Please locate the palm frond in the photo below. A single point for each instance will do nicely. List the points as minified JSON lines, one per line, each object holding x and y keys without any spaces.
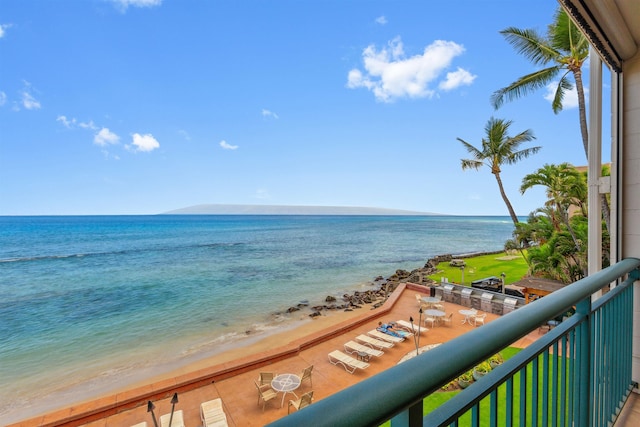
{"x":471,"y":164}
{"x":525,"y":85}
{"x":563,"y":86}
{"x":531,"y":45}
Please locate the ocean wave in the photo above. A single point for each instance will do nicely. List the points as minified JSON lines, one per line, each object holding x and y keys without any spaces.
{"x":120,"y":252}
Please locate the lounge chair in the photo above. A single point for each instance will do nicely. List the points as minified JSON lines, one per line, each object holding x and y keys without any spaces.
{"x":212,"y":414}
{"x":142,"y":424}
{"x":305,"y":400}
{"x":384,"y":337}
{"x":176,"y":421}
{"x":373,"y":343}
{"x":265,"y":393}
{"x":306,"y":374}
{"x":410,"y":328}
{"x":350,"y":364}
{"x":353,"y":347}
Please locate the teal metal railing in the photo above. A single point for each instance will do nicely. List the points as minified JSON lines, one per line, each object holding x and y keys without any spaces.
{"x":578,"y":374}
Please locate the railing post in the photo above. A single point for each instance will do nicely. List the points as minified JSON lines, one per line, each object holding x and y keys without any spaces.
{"x":583,"y":374}
{"x":412,"y":417}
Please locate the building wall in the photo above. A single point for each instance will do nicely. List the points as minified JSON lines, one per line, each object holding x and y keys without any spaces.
{"x":630,"y":206}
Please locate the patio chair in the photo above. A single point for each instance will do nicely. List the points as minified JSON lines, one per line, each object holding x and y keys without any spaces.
{"x":373,"y":343}
{"x":431,"y":320}
{"x":354,"y":347}
{"x":448,"y":319}
{"x":306,"y":374}
{"x":384,"y":337}
{"x":349,"y":364}
{"x":408,"y":327}
{"x":305,"y":400}
{"x":212,"y":414}
{"x":266,"y":377}
{"x":419,"y":300}
{"x":479,"y":319}
{"x":265,"y":393}
{"x":176,"y":421}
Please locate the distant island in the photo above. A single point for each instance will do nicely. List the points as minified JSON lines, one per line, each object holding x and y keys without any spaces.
{"x":219,"y":209}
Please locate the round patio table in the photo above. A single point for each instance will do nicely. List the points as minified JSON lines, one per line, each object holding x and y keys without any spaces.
{"x":430,"y":300}
{"x":286,"y":383}
{"x":468,"y":314}
{"x":435,"y":313}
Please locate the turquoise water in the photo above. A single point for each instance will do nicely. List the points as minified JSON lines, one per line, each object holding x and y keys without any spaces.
{"x":92,"y":303}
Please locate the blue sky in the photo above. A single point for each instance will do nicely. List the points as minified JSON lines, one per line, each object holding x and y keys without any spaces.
{"x":144,"y":106}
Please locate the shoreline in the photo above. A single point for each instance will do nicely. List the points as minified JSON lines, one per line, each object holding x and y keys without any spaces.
{"x":297,"y":326}
{"x":299,"y":322}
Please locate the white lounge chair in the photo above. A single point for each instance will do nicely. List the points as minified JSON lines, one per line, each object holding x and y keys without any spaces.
{"x":212,"y":414}
{"x":408,"y":327}
{"x":384,"y":337}
{"x":373,"y":343}
{"x":350,"y":364}
{"x":176,"y":421}
{"x":353,"y":347}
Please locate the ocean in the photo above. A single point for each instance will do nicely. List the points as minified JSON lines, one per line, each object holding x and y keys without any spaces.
{"x":89,"y":304}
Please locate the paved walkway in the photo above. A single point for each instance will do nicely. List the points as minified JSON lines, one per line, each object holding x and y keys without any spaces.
{"x":239,"y":394}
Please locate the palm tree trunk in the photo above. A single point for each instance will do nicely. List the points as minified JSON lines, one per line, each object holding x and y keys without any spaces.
{"x":512,"y":213}
{"x":577,"y":74}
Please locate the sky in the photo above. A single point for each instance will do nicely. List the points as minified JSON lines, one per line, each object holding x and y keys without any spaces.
{"x":117,"y":107}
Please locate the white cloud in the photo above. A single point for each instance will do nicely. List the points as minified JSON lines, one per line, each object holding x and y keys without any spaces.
{"x":87,"y":125}
{"x":124,"y":4}
{"x":3,"y":98}
{"x":29,"y":102}
{"x":262,"y":194}
{"x":184,"y":134}
{"x":267,"y":113}
{"x":144,"y":142}
{"x":105,"y":137}
{"x":66,"y":122}
{"x":382,"y":20}
{"x":570,"y":99}
{"x":226,"y":146}
{"x":72,"y":123}
{"x":389,"y":74}
{"x":3,"y":28}
{"x":456,"y":79}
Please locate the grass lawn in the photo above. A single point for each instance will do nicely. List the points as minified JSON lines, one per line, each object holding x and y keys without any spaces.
{"x":514,"y":268}
{"x":436,"y":399}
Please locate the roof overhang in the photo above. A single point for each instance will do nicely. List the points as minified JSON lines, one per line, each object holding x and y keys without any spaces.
{"x":612,"y":27}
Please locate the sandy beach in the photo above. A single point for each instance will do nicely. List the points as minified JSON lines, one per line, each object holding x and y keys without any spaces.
{"x":229,"y":375}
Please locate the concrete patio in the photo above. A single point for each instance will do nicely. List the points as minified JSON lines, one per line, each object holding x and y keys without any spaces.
{"x":239,"y":394}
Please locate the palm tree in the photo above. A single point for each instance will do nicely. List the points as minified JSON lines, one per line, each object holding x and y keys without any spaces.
{"x":566,"y":49}
{"x":497,"y":149}
{"x":565,"y":187}
{"x":562,"y":51}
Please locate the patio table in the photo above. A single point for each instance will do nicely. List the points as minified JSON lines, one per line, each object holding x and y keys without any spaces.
{"x":468,"y":315}
{"x":286,"y":383}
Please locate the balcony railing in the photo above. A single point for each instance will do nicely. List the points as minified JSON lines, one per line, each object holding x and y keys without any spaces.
{"x":578,"y":374}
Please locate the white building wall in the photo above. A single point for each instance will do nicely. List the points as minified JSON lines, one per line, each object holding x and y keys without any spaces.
{"x":630,"y":206}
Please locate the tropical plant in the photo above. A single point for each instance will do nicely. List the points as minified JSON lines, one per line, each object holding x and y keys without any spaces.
{"x":496,"y":358}
{"x":565,"y":187}
{"x":498,"y":148}
{"x":562,"y":52}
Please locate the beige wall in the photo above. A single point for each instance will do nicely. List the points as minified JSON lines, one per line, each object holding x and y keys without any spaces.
{"x":630,"y":208}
